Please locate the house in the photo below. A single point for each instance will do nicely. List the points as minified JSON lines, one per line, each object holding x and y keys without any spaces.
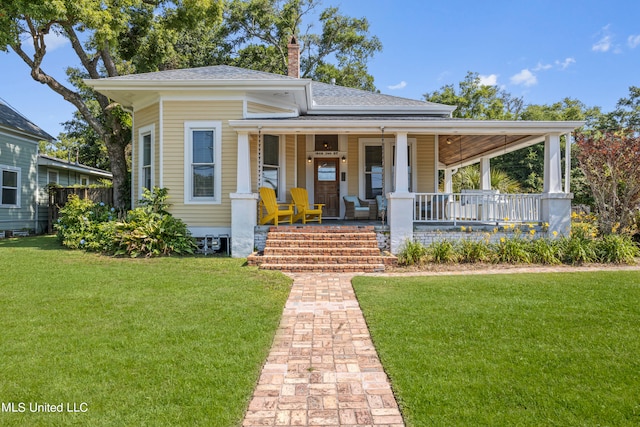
{"x":63,"y":173}
{"x":19,"y":139}
{"x":214,"y":135}
{"x":25,"y":173}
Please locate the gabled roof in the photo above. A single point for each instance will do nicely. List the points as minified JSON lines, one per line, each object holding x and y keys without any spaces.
{"x":44,"y":160}
{"x":11,"y":119}
{"x":311,"y":97}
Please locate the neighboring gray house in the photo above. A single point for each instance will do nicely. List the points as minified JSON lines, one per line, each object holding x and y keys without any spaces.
{"x":24,"y":174}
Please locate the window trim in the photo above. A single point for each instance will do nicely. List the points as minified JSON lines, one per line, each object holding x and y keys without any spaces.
{"x":18,"y":172}
{"x":142,"y":132}
{"x":216,"y":127}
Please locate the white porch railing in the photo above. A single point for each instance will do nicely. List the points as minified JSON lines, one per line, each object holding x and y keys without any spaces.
{"x":481,"y":206}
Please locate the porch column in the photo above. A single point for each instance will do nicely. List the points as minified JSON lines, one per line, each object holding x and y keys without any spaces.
{"x":402,"y":170}
{"x":448,"y":180}
{"x":243,"y":203}
{"x":400,"y":204}
{"x":555,"y":204}
{"x":485,"y":173}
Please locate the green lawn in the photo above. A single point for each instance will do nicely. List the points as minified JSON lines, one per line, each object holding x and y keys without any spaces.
{"x":513,"y":349}
{"x":166,"y":341}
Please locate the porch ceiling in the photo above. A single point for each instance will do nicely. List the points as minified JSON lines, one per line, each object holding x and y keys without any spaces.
{"x":461,"y":150}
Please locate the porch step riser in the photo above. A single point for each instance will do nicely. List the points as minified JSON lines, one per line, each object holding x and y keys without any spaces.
{"x":319,"y":259}
{"x":283,"y":243}
{"x":339,"y":251}
{"x":321,"y":236}
{"x":324,"y":268}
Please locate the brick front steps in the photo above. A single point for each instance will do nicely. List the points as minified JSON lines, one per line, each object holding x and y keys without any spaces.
{"x":320,"y":248}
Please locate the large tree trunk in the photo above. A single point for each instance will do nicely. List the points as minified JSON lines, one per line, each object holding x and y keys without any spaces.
{"x":118,"y":162}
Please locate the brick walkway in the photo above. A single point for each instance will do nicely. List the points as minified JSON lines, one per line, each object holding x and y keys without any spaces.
{"x":323,"y":369}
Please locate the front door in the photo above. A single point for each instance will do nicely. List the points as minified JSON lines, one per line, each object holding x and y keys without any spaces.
{"x":327,"y":186}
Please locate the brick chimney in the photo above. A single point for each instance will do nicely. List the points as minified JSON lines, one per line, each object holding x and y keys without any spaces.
{"x":293,"y":63}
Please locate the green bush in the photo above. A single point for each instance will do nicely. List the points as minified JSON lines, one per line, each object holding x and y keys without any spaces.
{"x":442,"y":251}
{"x":148,"y":230}
{"x":412,"y":252}
{"x":616,"y":248}
{"x":512,"y":251}
{"x":472,"y":251}
{"x":545,"y":251}
{"x":578,"y":249}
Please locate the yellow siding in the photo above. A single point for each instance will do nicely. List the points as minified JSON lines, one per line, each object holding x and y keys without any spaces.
{"x":145,"y":117}
{"x":425,"y":166}
{"x":290,"y":152}
{"x":255,"y":108}
{"x":175,"y":114}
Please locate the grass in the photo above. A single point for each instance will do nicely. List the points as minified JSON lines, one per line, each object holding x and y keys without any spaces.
{"x":166,"y":341}
{"x":504,"y":350}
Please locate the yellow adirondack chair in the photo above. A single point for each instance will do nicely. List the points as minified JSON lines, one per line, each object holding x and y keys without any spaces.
{"x":270,"y":210}
{"x":304,"y":210}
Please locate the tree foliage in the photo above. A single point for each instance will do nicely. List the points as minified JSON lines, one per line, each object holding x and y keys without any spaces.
{"x":477,"y":101}
{"x":94,"y":29}
{"x":609,"y":161}
{"x":469,"y":177}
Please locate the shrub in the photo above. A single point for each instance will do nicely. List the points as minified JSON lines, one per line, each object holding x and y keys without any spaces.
{"x":513,"y":250}
{"x":616,"y":248}
{"x":442,"y":251}
{"x":545,"y":251}
{"x":472,"y":251}
{"x":148,"y":230}
{"x":577,"y":249}
{"x":412,"y":252}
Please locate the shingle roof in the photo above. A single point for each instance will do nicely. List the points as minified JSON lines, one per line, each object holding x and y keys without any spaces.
{"x":10,"y":118}
{"x":324,"y":95}
{"x":333,"y":95}
{"x":214,"y":72}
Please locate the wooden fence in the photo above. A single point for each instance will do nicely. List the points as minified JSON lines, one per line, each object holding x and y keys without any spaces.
{"x":59,"y":196}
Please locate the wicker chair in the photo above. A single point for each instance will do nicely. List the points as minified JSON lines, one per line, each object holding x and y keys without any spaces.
{"x":356,"y":208}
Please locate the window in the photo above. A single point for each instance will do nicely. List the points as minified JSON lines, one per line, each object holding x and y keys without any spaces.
{"x":271,"y":162}
{"x":9,"y":186}
{"x":373,"y":171}
{"x":84,"y":180}
{"x":145,"y":153}
{"x":202,"y":162}
{"x":52,"y":177}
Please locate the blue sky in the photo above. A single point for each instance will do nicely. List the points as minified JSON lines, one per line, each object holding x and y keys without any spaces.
{"x":540,"y":50}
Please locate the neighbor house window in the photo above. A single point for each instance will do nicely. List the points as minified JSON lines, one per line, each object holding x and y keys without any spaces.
{"x":52,"y":177}
{"x":271,"y":163}
{"x":372,"y":171}
{"x":146,"y":138}
{"x":84,"y":180}
{"x":202,"y":162}
{"x":9,"y":186}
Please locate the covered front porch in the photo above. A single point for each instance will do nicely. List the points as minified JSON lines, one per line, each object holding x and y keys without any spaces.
{"x":400,"y":161}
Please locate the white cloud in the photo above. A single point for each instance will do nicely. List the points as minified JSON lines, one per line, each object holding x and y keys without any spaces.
{"x":54,"y":41}
{"x":524,"y":77}
{"x":490,"y":80}
{"x":603,"y":45}
{"x":400,"y":85}
{"x":564,"y":64}
{"x":633,"y":41}
{"x":542,"y":67}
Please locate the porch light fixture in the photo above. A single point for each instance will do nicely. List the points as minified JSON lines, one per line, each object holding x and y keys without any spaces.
{"x":344,"y":159}
{"x":309,"y":159}
{"x":449,"y":141}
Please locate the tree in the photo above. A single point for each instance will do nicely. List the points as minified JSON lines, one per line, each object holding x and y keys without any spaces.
{"x":94,"y":28}
{"x":477,"y":101}
{"x":609,"y":161}
{"x":469,"y":177}
{"x":257,"y":33}
{"x":625,"y":116}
